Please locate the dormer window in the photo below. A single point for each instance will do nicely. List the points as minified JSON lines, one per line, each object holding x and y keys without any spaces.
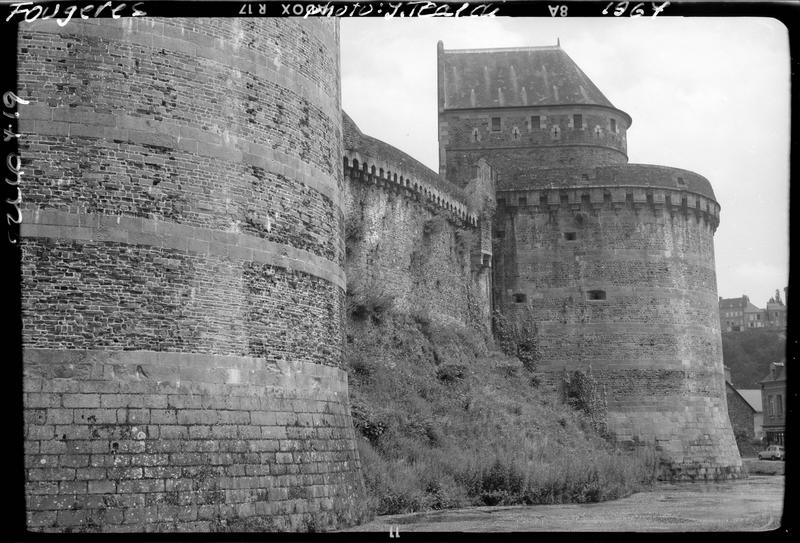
{"x":496,"y":124}
{"x":577,"y":122}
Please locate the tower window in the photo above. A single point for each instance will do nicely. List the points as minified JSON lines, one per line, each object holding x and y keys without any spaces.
{"x":570,"y":236}
{"x":535,"y":122}
{"x":596,"y":295}
{"x":520,"y":298}
{"x":577,"y":122}
{"x":614,"y":125}
{"x":495,"y":124}
{"x":598,"y":131}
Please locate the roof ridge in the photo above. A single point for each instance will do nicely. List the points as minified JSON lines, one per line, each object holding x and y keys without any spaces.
{"x":506,"y":49}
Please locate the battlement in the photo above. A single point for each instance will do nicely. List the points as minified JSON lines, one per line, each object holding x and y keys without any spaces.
{"x":370,"y":160}
{"x":658,"y":188}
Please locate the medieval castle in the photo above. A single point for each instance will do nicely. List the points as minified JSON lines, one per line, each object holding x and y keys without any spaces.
{"x":197,"y":204}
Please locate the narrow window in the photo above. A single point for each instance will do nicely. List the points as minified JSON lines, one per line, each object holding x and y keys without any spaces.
{"x":598,"y":131}
{"x":779,"y":404}
{"x":596,"y":295}
{"x":523,"y":201}
{"x":495,"y":124}
{"x":475,"y":135}
{"x":515,"y":133}
{"x":614,"y":125}
{"x":535,"y":122}
{"x":520,"y":298}
{"x":555,"y":132}
{"x":577,"y":122}
{"x":570,"y":236}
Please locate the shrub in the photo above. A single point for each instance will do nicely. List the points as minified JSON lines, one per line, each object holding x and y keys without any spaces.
{"x":584,"y":394}
{"x":433,"y":227}
{"x":450,"y":373}
{"x":353,"y":228}
{"x":516,"y":338}
{"x":464,"y":240}
{"x":367,"y":298}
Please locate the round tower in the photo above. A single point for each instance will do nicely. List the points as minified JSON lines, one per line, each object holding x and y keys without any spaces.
{"x":182,"y":252}
{"x":610,"y":264}
{"x":614,"y":270}
{"x":526,"y":108}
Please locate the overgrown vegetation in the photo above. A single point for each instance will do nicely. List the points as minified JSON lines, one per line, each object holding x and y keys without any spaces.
{"x":749,"y":353}
{"x":367,"y":298}
{"x":516,"y":338}
{"x":584,"y":394}
{"x":445,"y":422}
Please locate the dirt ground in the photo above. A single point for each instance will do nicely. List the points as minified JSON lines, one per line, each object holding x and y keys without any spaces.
{"x":753,"y":504}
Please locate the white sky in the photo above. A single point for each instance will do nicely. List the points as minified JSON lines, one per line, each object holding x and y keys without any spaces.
{"x":707,"y":95}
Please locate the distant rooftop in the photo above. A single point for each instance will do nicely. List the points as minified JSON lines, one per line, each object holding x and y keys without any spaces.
{"x":753,"y":397}
{"x":516,"y":76}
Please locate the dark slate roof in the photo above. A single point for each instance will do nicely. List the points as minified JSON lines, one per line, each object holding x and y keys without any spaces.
{"x":528,"y":76}
{"x":780,"y":375}
{"x":355,"y":140}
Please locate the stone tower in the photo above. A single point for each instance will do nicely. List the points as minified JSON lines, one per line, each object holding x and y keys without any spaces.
{"x":612,"y":264}
{"x":182,"y":252}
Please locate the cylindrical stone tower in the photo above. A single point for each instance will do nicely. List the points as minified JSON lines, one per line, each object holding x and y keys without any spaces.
{"x":615,"y":273}
{"x":608,"y":265}
{"x":182,"y":252}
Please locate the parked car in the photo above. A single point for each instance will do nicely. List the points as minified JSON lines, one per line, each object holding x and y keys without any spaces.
{"x":773,"y":452}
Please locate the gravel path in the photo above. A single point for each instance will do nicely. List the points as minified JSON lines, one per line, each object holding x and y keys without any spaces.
{"x":752,"y":504}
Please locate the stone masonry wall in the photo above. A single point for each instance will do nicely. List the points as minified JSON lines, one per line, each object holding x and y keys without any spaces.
{"x":519,"y":146}
{"x":627,"y":287}
{"x":183,"y":282}
{"x":411,"y":252}
{"x":741,"y":415}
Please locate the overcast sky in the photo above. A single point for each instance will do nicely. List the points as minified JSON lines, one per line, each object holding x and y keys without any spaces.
{"x":707,"y":95}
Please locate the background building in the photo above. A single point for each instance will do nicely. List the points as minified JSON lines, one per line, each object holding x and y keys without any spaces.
{"x":773,"y":397}
{"x":737,"y":314}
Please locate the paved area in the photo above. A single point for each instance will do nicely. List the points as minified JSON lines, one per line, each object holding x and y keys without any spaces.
{"x":753,"y":504}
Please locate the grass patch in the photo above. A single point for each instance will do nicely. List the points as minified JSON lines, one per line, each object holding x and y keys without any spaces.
{"x":444,"y":422}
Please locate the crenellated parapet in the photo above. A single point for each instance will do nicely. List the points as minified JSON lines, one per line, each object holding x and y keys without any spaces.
{"x":372,"y":161}
{"x":659,"y":189}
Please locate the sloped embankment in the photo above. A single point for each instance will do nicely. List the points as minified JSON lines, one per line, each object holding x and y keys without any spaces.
{"x":444,"y":422}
